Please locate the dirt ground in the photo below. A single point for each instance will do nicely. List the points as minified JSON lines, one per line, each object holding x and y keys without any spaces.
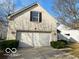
{"x":2,"y":56}
{"x":74,"y":49}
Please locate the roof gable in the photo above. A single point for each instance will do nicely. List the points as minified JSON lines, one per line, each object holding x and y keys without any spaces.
{"x":26,"y":8}
{"x":23,"y":9}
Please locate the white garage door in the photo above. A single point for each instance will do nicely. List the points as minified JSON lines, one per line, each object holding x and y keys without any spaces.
{"x":28,"y":39}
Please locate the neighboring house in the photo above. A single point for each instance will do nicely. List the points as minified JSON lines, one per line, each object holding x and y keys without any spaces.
{"x":68,"y":33}
{"x":3,"y":28}
{"x":33,"y":26}
{"x":2,"y":31}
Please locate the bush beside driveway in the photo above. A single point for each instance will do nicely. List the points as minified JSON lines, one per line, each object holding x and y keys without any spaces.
{"x":7,"y":44}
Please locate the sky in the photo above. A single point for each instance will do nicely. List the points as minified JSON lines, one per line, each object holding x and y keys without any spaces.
{"x":19,"y":4}
{"x":46,"y":4}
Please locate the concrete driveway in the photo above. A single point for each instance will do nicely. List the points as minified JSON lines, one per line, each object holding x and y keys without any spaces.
{"x":42,"y":53}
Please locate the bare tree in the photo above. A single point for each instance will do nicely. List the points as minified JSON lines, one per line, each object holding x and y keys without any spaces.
{"x":68,"y":11}
{"x":7,"y":6}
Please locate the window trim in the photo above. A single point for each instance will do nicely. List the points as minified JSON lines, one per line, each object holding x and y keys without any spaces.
{"x":39,"y":16}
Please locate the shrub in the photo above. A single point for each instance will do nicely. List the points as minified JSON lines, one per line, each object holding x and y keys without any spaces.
{"x":9,"y":44}
{"x":59,"y":44}
{"x":66,"y":42}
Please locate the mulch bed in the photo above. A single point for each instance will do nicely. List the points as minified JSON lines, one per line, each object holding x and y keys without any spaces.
{"x":2,"y":56}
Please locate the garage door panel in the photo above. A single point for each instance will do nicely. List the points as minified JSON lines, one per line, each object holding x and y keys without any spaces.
{"x":44,"y":39}
{"x":36,"y":39}
{"x":41,"y":39}
{"x":32,"y":39}
{"x":26,"y":40}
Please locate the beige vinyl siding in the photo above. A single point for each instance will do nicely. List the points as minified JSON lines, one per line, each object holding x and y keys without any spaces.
{"x":22,"y":22}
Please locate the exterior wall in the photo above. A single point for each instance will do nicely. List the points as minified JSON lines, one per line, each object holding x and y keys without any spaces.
{"x":22,"y":22}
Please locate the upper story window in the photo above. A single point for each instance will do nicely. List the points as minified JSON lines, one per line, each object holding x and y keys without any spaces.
{"x":35,"y":16}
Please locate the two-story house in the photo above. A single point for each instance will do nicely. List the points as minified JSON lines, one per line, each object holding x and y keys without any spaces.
{"x":33,"y":26}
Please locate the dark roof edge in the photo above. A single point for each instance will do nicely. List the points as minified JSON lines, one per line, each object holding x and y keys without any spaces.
{"x":25,"y":8}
